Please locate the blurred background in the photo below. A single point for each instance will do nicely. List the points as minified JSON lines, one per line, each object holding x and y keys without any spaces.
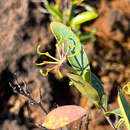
{"x":23,"y":27}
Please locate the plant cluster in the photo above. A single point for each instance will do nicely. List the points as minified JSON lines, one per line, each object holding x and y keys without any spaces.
{"x":83,"y":79}
{"x":81,"y":76}
{"x":70,"y":49}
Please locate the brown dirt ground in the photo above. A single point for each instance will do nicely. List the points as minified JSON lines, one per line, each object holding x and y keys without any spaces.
{"x":22,"y":27}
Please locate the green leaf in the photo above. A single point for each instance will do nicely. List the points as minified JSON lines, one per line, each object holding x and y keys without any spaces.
{"x":116,"y":112}
{"x":125,"y":107}
{"x":76,"y":55}
{"x":83,"y":17}
{"x":85,"y":88}
{"x":87,"y":35}
{"x":96,"y":83}
{"x":55,"y":12}
{"x":89,"y":8}
{"x":89,"y":40}
{"x":78,"y":27}
{"x":120,"y":123}
{"x":77,"y":2}
{"x":127,"y":89}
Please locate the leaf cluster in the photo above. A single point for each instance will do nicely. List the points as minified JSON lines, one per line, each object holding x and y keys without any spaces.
{"x":87,"y":82}
{"x":72,"y":13}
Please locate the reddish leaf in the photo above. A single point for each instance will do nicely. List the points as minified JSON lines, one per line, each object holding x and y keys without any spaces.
{"x":62,"y":116}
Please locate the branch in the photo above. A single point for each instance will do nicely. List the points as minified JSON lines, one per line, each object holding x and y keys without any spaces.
{"x":26,"y":93}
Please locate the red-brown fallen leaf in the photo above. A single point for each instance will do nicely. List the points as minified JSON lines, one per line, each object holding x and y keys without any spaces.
{"x":62,"y":116}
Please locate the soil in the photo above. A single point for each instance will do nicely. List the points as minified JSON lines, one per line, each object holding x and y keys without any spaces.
{"x":23,"y":27}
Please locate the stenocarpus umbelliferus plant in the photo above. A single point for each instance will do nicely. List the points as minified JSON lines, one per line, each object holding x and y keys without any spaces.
{"x":70,"y":49}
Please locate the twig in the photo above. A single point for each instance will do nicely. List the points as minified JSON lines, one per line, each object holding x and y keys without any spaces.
{"x":80,"y":126}
{"x":87,"y":122}
{"x":110,"y":122}
{"x":26,"y":93}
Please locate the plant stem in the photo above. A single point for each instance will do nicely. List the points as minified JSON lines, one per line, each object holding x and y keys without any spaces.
{"x":108,"y":119}
{"x":26,"y":93}
{"x":110,"y":122}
